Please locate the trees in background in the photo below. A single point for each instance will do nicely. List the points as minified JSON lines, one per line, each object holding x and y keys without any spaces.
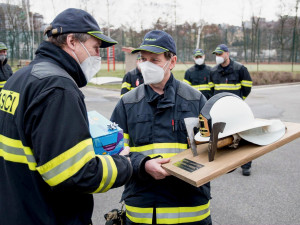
{"x":256,"y":40}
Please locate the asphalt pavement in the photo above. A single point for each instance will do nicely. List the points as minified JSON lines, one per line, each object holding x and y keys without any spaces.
{"x":271,"y":195}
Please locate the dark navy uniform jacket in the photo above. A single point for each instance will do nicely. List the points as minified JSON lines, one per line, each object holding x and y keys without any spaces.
{"x":198,"y":77}
{"x":131,"y":80}
{"x":235,"y":79}
{"x":47,"y":162}
{"x":154,"y":125}
{"x":5,"y":73}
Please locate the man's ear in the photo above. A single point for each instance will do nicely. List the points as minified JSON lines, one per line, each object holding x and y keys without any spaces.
{"x":173,"y":62}
{"x":70,"y":41}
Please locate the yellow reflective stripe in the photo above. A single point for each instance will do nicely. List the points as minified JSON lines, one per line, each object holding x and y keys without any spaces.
{"x":13,"y":150}
{"x":163,"y":49}
{"x":168,"y":215}
{"x":164,"y":155}
{"x":186,"y":81}
{"x":68,"y":163}
{"x":177,"y":215}
{"x":228,"y":86}
{"x":202,"y":87}
{"x":109,"y":175}
{"x":126,"y":139}
{"x":246,"y":83}
{"x":244,"y":97}
{"x":160,"y":148}
{"x":211,"y":84}
{"x":126,"y":85}
{"x":2,"y":84}
{"x":139,"y":215}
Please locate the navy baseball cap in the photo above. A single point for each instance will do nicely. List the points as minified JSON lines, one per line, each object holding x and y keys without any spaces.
{"x":197,"y":52}
{"x":220,"y":49}
{"x":2,"y":46}
{"x":157,"y":41}
{"x":78,"y":21}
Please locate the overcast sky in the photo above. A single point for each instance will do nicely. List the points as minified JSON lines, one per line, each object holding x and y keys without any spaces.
{"x":142,"y":13}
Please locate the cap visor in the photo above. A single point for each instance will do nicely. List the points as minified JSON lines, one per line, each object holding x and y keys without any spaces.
{"x":265,"y":135}
{"x":150,"y":48}
{"x":217,"y":52}
{"x":106,"y":41}
{"x":227,"y":132}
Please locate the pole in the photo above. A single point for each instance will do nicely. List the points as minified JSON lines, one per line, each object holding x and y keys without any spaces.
{"x":107,"y":51}
{"x":114,"y":62}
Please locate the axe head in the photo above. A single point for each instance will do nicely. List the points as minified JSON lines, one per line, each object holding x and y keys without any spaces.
{"x":190,"y":124}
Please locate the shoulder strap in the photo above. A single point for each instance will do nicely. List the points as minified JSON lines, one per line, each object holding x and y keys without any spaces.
{"x":43,"y":70}
{"x":237,"y":65}
{"x":134,"y":95}
{"x":187,"y":92}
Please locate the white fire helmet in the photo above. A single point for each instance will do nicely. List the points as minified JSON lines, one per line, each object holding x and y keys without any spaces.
{"x":239,"y":119}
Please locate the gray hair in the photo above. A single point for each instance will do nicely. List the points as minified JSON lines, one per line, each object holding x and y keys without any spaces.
{"x":61,"y":40}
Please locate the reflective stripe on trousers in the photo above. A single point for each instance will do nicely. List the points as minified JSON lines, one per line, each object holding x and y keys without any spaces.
{"x":168,"y":215}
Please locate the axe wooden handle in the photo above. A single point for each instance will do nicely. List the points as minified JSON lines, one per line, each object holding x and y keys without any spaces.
{"x":221,"y":142}
{"x":225,"y":141}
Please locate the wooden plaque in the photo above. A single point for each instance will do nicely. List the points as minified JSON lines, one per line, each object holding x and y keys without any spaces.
{"x":198,"y":170}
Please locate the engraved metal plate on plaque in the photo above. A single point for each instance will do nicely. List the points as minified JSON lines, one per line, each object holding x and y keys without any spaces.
{"x":188,"y":165}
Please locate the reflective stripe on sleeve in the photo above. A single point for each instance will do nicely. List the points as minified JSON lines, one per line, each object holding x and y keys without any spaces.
{"x":228,"y":86}
{"x":13,"y":150}
{"x":164,"y":149}
{"x":211,"y":84}
{"x":202,"y":87}
{"x":126,"y":85}
{"x":246,"y":83}
{"x":68,"y":163}
{"x":109,"y":175}
{"x":126,"y":139}
{"x":2,"y":84}
{"x":186,"y":81}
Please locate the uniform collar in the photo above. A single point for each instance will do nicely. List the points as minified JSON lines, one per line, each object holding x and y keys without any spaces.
{"x":200,"y":67}
{"x":52,"y":53}
{"x":165,"y":100}
{"x":227,"y":68}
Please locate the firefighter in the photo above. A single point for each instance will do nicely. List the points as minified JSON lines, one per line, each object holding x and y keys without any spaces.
{"x":230,"y":76}
{"x":133,"y":78}
{"x":152,"y":118}
{"x":198,"y":75}
{"x":5,"y":69}
{"x":48,"y":168}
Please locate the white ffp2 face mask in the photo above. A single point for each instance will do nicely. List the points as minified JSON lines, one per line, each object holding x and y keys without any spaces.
{"x":152,"y":74}
{"x":90,"y":66}
{"x":219,"y":60}
{"x":2,"y":58}
{"x":199,"y":61}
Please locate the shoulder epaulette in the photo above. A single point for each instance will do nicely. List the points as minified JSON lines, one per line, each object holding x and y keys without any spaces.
{"x":134,"y":95}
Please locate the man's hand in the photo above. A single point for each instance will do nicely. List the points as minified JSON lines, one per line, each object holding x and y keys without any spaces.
{"x":125,"y":151}
{"x":153,"y":167}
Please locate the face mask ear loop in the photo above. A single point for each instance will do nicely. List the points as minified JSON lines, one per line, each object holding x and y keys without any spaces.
{"x":166,"y":64}
{"x":76,"y":57}
{"x":85,"y":49}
